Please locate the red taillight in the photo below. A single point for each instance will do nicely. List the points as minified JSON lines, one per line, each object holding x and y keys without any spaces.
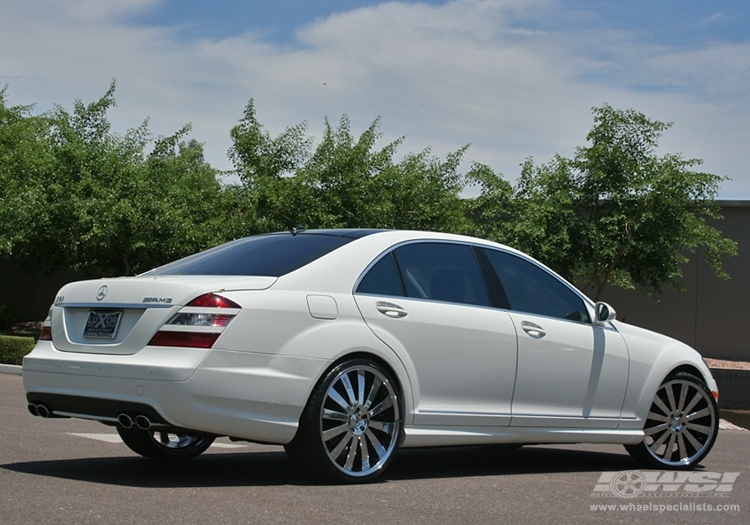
{"x":200,"y":320}
{"x":212,"y":300}
{"x":184,"y":339}
{"x":46,"y":334}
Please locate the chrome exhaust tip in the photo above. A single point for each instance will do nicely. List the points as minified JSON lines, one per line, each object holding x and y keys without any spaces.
{"x":125,"y":420}
{"x":143,"y":422}
{"x":32,"y":409}
{"x":42,"y":411}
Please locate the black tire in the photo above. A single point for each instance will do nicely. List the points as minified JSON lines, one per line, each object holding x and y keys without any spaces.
{"x":164,"y":446}
{"x":681,"y":426}
{"x":351,"y":425}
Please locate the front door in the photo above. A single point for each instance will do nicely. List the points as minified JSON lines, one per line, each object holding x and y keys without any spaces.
{"x":571,"y":373}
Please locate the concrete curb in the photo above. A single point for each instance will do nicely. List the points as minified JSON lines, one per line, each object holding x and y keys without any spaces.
{"x":734,"y":387}
{"x":10,"y":369}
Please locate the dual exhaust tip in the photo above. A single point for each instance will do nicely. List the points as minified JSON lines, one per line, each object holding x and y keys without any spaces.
{"x":39,"y":409}
{"x":140,"y":421}
{"x":125,"y":421}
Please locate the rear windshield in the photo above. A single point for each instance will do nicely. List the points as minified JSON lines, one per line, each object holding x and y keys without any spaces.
{"x":272,"y":255}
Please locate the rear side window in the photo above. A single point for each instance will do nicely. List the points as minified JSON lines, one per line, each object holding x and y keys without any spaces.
{"x":269,"y":255}
{"x":429,"y":270}
{"x":531,"y":289}
{"x":382,"y":279}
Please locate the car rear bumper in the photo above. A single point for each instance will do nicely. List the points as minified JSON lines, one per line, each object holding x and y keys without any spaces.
{"x":258,"y":397}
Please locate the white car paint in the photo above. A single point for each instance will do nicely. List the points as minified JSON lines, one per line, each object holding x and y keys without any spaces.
{"x":466,"y":374}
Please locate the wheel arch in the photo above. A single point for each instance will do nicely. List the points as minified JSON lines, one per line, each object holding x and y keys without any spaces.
{"x":318,"y":445}
{"x":688,"y":368}
{"x":363,"y":354}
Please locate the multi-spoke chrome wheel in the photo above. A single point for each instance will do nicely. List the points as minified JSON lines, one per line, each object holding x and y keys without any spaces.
{"x":359,"y":420}
{"x":168,"y":446}
{"x":681,"y":426}
{"x":352,"y":423}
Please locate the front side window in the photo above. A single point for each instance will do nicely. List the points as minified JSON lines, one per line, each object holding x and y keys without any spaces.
{"x":532,"y":289}
{"x":428,"y":270}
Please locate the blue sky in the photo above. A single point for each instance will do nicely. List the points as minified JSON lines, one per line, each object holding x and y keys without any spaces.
{"x":671,"y":22}
{"x":514,"y":78}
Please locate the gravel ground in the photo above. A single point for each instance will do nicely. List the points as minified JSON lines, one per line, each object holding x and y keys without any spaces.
{"x":723,"y":363}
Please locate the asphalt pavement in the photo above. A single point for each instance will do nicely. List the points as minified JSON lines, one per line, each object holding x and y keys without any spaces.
{"x":78,"y":472}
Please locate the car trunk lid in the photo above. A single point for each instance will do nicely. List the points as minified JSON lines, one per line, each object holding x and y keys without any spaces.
{"x":120,"y":316}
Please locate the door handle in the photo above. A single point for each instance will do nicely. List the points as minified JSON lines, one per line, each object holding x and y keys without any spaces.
{"x":391,"y":310}
{"x":534,"y":330}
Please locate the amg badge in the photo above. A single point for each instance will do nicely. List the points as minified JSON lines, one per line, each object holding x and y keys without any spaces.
{"x":158,"y":300}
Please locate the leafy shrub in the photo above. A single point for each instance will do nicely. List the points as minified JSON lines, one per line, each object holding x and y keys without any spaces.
{"x":12,"y":349}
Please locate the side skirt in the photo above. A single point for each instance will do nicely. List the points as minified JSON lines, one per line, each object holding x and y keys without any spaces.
{"x":447,"y":436}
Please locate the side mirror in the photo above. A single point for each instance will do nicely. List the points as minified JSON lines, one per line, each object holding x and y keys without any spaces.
{"x":604,"y":313}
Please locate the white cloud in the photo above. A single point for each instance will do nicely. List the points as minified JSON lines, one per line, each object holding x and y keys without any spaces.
{"x":468,"y":71}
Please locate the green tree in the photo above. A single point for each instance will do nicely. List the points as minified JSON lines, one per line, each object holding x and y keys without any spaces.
{"x":617,"y":213}
{"x":345,"y":182}
{"x":86,"y":198}
{"x":25,"y":151}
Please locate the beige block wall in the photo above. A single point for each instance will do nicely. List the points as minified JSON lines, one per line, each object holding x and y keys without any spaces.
{"x":711,"y":315}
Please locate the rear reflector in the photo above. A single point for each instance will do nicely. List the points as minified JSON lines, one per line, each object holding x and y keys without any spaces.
{"x":184,"y":339}
{"x":46,"y":334}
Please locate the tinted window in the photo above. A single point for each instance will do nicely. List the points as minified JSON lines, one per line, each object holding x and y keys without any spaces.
{"x":271,"y":255}
{"x":382,"y":279}
{"x":531,"y":289}
{"x":441,"y":272}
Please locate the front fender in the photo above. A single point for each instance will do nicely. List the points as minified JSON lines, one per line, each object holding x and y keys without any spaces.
{"x":653,"y":357}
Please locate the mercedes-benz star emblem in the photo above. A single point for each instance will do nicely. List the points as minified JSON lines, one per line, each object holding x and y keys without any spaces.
{"x":101,"y":293}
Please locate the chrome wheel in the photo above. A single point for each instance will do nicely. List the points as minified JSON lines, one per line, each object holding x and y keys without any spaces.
{"x":351,"y":424}
{"x":167,"y":446}
{"x":360,"y":420}
{"x":681,"y":426}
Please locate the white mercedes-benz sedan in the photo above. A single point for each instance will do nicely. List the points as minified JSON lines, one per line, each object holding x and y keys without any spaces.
{"x":343,"y":345}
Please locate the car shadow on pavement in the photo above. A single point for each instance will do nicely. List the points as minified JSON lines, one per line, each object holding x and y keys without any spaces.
{"x":274,"y":468}
{"x":499,"y":461}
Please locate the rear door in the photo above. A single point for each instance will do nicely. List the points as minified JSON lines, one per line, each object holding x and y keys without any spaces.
{"x":429,"y":302}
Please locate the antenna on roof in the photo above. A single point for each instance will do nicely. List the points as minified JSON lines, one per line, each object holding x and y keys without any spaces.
{"x":294,"y":229}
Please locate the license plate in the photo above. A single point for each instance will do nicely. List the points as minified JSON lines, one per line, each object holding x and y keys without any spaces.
{"x":102,"y":324}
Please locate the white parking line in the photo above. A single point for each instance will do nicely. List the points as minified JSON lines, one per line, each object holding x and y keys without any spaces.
{"x":115,"y":438}
{"x":726,"y":425}
{"x":109,"y":438}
